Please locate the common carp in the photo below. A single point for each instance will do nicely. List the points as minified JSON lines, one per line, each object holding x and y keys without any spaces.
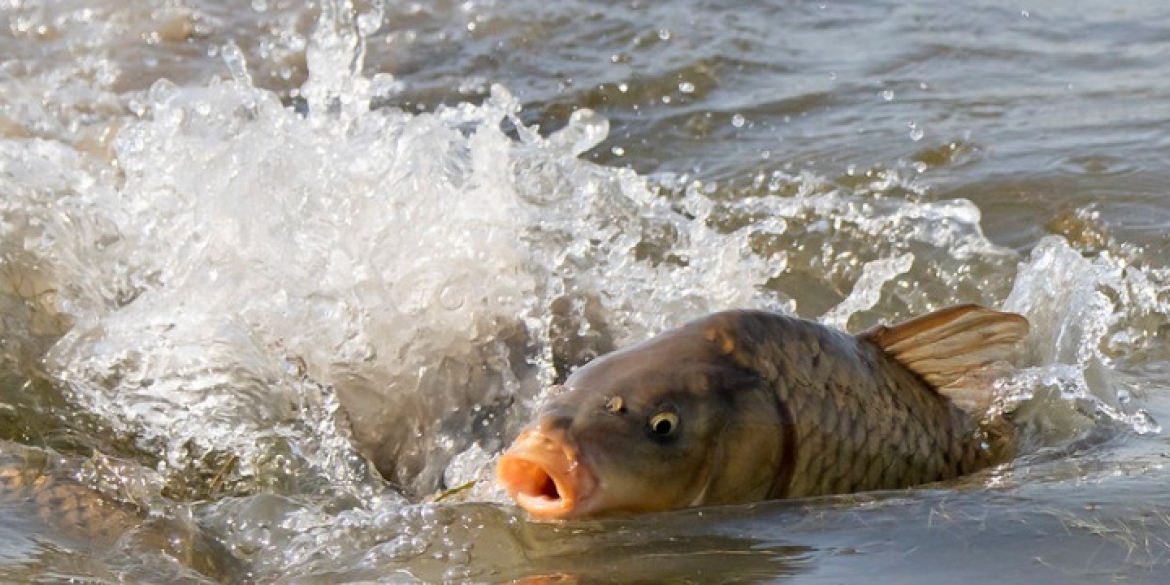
{"x":743,"y":406}
{"x":40,"y":486}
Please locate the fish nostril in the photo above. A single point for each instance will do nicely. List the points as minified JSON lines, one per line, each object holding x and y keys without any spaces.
{"x":615,"y":405}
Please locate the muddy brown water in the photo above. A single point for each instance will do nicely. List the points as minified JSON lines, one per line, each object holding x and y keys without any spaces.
{"x":230,"y":230}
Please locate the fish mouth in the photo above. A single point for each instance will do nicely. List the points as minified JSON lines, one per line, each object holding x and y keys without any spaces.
{"x":543,"y":474}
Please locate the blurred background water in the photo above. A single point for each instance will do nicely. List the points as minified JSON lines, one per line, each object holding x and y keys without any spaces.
{"x":255,"y":258}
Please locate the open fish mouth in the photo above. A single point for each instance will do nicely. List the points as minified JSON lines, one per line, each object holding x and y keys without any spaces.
{"x":544,"y":476}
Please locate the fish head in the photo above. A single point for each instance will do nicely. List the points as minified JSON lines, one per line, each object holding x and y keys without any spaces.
{"x":657,"y":426}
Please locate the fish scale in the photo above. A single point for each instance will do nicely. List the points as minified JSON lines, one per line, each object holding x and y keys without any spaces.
{"x":40,"y":484}
{"x":29,"y":477}
{"x":747,"y":405}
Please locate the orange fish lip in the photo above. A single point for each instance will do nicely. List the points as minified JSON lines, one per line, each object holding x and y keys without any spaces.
{"x":544,"y":475}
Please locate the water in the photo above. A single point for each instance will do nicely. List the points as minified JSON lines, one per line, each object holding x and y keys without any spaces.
{"x":253,"y":254}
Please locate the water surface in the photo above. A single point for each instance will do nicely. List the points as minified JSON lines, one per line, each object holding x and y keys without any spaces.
{"x":252,"y":254}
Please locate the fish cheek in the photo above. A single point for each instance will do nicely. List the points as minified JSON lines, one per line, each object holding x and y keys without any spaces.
{"x":640,"y":471}
{"x":749,"y":452}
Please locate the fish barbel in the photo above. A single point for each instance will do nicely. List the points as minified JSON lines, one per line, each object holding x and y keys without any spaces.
{"x":742,"y":406}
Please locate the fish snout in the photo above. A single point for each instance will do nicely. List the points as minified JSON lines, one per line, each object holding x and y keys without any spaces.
{"x":542,"y":472}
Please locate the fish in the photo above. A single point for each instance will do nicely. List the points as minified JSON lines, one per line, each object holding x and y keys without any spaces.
{"x":40,"y":490}
{"x":749,"y":405}
{"x":36,"y":483}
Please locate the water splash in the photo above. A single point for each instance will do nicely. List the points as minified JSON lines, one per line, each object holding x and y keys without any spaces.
{"x":335,"y":56}
{"x":1077,"y":306}
{"x":867,"y":290}
{"x":247,"y":280}
{"x":422,"y":265}
{"x":426,"y":274}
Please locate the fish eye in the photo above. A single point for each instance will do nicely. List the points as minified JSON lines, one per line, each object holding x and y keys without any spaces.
{"x":664,"y":424}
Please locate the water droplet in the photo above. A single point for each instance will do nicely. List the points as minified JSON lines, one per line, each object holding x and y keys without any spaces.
{"x":161,"y":93}
{"x":664,"y":34}
{"x":888,"y":95}
{"x":459,"y":557}
{"x":738,"y":121}
{"x":777,"y":181}
{"x":233,"y":57}
{"x":1144,"y":424}
{"x":451,"y":298}
{"x":585,"y":130}
{"x":916,"y":132}
{"x":686,"y":87}
{"x":384,"y":85}
{"x":369,"y":22}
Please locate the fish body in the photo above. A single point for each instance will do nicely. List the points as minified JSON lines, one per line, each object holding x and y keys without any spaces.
{"x":743,"y":406}
{"x":42,"y":486}
{"x":39,"y":483}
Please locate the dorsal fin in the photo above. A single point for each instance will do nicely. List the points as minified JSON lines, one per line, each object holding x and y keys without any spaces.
{"x":949,"y":345}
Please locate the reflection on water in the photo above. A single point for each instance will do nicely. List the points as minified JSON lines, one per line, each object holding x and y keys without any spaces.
{"x":251,"y":256}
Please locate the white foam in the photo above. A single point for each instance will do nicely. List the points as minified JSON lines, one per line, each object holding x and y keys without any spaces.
{"x":1076,"y":306}
{"x":867,"y":290}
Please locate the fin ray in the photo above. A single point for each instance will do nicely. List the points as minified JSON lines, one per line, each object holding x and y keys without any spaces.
{"x":950,"y":346}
